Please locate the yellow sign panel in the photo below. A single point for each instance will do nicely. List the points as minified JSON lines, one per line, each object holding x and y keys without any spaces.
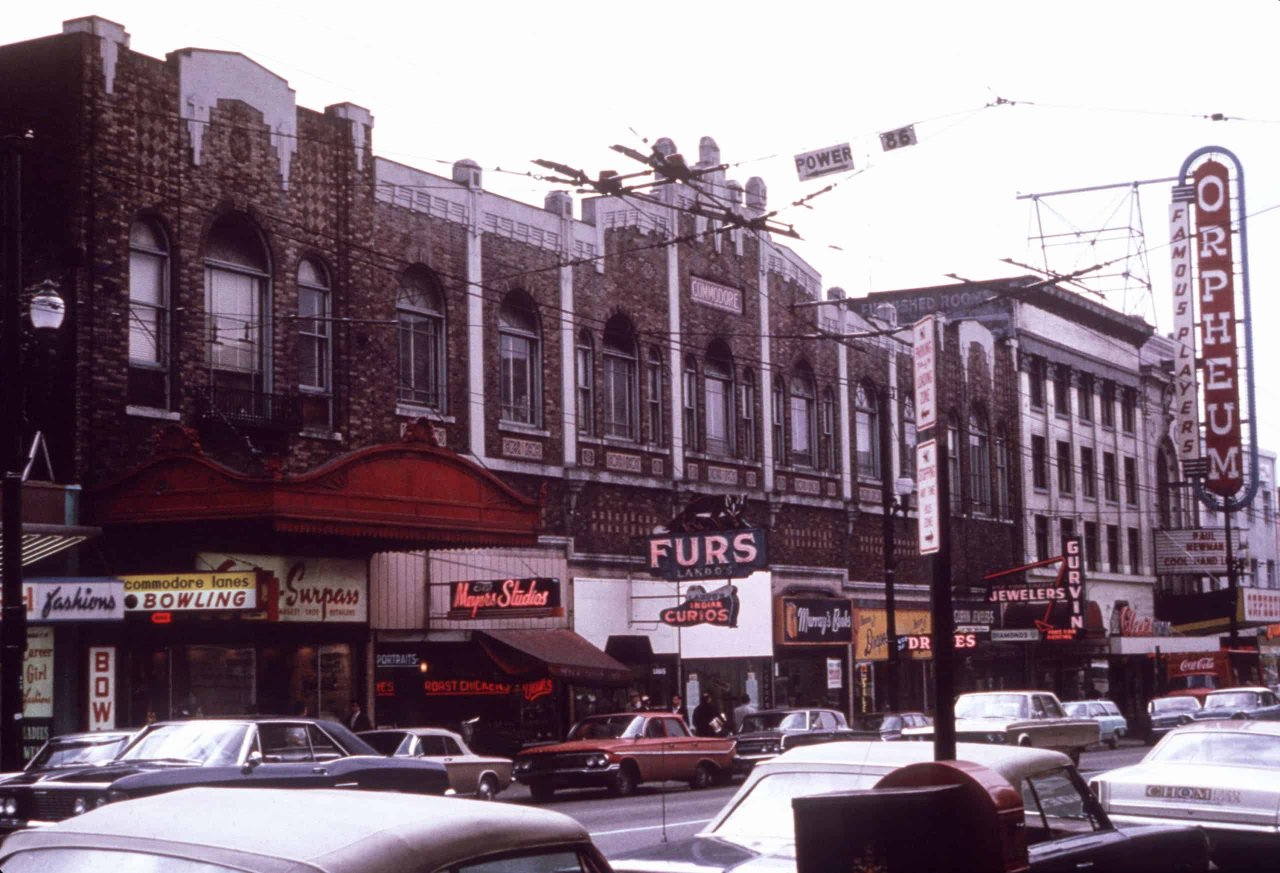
{"x":871,"y":632}
{"x":190,"y":591}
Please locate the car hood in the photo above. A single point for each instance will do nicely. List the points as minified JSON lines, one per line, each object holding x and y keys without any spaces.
{"x":575,"y":746}
{"x":708,"y":855}
{"x":1194,"y":793}
{"x":104,"y":774}
{"x":762,"y":735}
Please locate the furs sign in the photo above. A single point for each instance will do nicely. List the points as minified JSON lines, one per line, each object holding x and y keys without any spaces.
{"x":728,"y":554}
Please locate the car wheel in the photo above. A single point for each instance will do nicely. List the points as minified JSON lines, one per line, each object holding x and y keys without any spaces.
{"x":487,"y":789}
{"x":541,"y":790}
{"x":703,"y":777}
{"x":624,"y":782}
{"x":1114,"y":742}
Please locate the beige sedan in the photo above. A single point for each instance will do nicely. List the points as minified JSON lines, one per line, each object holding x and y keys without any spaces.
{"x":470,"y":774}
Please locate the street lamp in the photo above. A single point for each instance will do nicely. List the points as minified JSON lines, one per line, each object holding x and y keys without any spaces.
{"x":896,"y":499}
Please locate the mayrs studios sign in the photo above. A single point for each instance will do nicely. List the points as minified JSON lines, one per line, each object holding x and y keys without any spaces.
{"x":815,"y":621}
{"x":506,"y":598}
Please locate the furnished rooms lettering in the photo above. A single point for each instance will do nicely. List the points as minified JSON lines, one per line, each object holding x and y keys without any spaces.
{"x":510,"y":598}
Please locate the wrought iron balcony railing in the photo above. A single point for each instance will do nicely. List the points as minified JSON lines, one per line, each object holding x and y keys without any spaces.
{"x":250,"y":409}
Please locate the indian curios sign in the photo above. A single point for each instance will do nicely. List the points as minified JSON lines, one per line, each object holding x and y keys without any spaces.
{"x":719,"y":608}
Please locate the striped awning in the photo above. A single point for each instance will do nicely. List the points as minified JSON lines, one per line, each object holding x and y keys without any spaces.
{"x":39,"y":541}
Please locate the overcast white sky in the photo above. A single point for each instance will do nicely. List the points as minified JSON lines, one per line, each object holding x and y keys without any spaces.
{"x":1103,"y":92}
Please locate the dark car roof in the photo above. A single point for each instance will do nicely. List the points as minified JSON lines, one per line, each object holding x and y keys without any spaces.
{"x":324,"y":829}
{"x":338,"y":731}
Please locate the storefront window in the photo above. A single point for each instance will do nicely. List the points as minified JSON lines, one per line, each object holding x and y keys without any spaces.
{"x":213,"y":680}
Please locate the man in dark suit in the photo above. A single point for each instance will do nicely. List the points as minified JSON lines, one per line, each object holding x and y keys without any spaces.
{"x":357,"y":720}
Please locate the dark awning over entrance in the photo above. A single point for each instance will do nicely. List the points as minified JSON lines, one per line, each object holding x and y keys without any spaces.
{"x":556,"y":652}
{"x":630,"y":648}
{"x":390,"y":497}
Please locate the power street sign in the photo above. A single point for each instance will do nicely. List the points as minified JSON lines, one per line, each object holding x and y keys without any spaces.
{"x":927,"y":489}
{"x":833,"y":159}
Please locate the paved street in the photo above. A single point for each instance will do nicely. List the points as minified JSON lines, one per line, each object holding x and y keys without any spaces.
{"x":671,"y":811}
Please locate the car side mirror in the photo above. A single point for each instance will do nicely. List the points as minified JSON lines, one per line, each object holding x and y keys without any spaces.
{"x":251,"y":763}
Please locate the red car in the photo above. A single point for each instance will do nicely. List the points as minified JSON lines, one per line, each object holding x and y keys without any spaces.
{"x":622,"y":750}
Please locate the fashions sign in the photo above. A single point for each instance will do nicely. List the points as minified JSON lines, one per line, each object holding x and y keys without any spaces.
{"x":74,"y":599}
{"x":509,"y":598}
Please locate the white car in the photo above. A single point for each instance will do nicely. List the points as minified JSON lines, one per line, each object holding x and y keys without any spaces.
{"x":1223,"y":776}
{"x":471,"y":775}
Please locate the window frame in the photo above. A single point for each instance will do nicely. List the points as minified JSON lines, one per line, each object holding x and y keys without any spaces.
{"x":620,"y":358}
{"x":584,"y":383}
{"x":747,"y":410}
{"x":867,"y":430}
{"x":802,"y":403}
{"x":519,"y":340}
{"x":156,"y":367}
{"x":719,"y":425}
{"x":979,"y":464}
{"x":320,"y":338}
{"x":656,"y":400}
{"x":1039,"y":462}
{"x":1066,"y":469}
{"x":421,"y":325}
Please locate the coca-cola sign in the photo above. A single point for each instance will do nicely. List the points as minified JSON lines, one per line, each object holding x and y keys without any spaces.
{"x":1198,"y":665}
{"x":509,"y":598}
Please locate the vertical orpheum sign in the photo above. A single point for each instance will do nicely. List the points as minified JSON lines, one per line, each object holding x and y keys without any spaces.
{"x":1216,"y":289}
{"x":1186,"y":391}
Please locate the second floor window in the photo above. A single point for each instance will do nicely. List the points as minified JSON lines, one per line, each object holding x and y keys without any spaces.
{"x":420,"y":324}
{"x":1131,"y":481}
{"x":1088,"y":473}
{"x":1062,"y":390}
{"x":236,"y":303}
{"x":748,"y":411}
{"x":690,"y":386}
{"x":584,"y":376}
{"x":804,"y":433}
{"x":867,"y":431}
{"x":1084,"y":390}
{"x":1002,"y":475}
{"x":1066,"y":474}
{"x":148,"y":316}
{"x":653,"y":385}
{"x":979,"y":465}
{"x":1128,"y":410}
{"x":621,"y":380}
{"x":718,"y":388}
{"x":956,"y":499}
{"x":1110,"y":483}
{"x":313,"y":326}
{"x":520,"y":361}
{"x":1042,"y":537}
{"x":908,"y":448}
{"x":829,"y":429}
{"x":1035,"y":374}
{"x":779,"y":421}
{"x":1108,"y":404}
{"x":1039,"y":462}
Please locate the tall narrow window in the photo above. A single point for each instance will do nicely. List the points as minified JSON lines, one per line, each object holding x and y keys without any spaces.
{"x":1266,"y":507}
{"x":1091,"y":545}
{"x":1042,"y":538}
{"x":1088,"y":473}
{"x":804,"y":425}
{"x":1035,"y":380}
{"x":690,"y":385}
{"x":1108,"y":404}
{"x":653,"y":384}
{"x":236,"y":275}
{"x":520,"y":355}
{"x":1002,"y":475}
{"x":1066,"y":471}
{"x":908,"y":448}
{"x":979,"y":464}
{"x":779,"y":422}
{"x":1131,"y":481}
{"x":867,"y":431}
{"x":1128,"y":410}
{"x":1066,"y":530}
{"x":953,"y":463}
{"x":718,"y":390}
{"x":314,"y":343}
{"x":1039,"y":463}
{"x":1135,"y":551}
{"x":1110,"y":481}
{"x":829,"y":428}
{"x":148,"y":316}
{"x":1062,"y":390}
{"x":1084,"y":392}
{"x":621,"y":380}
{"x":420,"y":323}
{"x":1113,"y":548}
{"x":748,"y":412}
{"x":584,"y":377}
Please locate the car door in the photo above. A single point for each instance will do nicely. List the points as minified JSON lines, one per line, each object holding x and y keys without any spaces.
{"x":287,"y":758}
{"x":464,"y":770}
{"x":1066,"y":833}
{"x":431,"y":747}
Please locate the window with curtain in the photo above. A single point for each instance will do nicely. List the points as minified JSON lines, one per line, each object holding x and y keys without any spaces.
{"x":584,"y":379}
{"x":420,"y":326}
{"x":621,"y":380}
{"x":655,"y":400}
{"x":149,"y":315}
{"x":866,"y":419}
{"x":718,"y":389}
{"x":748,"y":411}
{"x":520,"y":361}
{"x":690,"y":385}
{"x":979,"y":464}
{"x":804,"y":425}
{"x":236,"y":304}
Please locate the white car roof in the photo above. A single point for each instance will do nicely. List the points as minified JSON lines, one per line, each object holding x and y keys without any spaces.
{"x":331,"y":830}
{"x":1255,"y":689}
{"x":1012,"y":762}
{"x":1231,"y":726}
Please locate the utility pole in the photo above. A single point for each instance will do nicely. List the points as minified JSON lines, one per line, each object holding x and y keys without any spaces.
{"x":1233,"y":586}
{"x":944,"y":639}
{"x":887,"y":498}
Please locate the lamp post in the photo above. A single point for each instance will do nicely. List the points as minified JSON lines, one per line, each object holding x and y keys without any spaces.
{"x":46,"y":312}
{"x":895,"y":498}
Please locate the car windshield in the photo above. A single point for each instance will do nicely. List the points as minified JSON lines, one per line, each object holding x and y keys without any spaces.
{"x":1174,"y":704}
{"x":1231,"y":700}
{"x":878,"y":723}
{"x":1218,"y":747}
{"x":80,"y":752}
{"x":773,"y":721}
{"x":116,"y":860}
{"x":608,"y":727}
{"x":203,"y":743}
{"x":1077,"y":709}
{"x":992,"y":706}
{"x":764,"y":814}
{"x":386,"y":742}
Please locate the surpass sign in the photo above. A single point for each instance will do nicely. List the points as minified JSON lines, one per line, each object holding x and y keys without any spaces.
{"x":725,"y":554}
{"x":509,"y":598}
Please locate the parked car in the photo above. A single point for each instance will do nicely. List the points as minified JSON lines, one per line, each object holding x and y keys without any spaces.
{"x":1018,"y":718}
{"x":67,"y":751}
{"x":1112,"y":725}
{"x":622,"y":750}
{"x":1223,"y":776}
{"x":1166,"y":713}
{"x":1065,"y":828}
{"x":470,"y":774}
{"x":765,"y":734}
{"x":249,"y":752}
{"x":887,"y":725}
{"x":1242,"y":702}
{"x":270,"y":830}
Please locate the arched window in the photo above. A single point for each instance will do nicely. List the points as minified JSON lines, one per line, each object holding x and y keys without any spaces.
{"x":315,"y":348}
{"x":420,"y":319}
{"x":690,"y":392}
{"x":830,"y":455}
{"x":908,"y":432}
{"x":621,"y":380}
{"x":956,"y":499}
{"x":979,"y":463}
{"x":718,"y":395}
{"x":867,"y":431}
{"x":653,"y":378}
{"x":584,"y":376}
{"x":747,"y":409}
{"x":237,"y":301}
{"x":149,"y":315}
{"x":520,"y":352}
{"x":779,"y":421}
{"x":1002,"y":474}
{"x":804,"y":425}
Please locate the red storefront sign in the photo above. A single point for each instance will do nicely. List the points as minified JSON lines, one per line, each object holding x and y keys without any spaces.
{"x":1223,"y":444}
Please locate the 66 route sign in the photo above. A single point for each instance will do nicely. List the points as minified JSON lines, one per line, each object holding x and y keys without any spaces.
{"x":927,"y":488}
